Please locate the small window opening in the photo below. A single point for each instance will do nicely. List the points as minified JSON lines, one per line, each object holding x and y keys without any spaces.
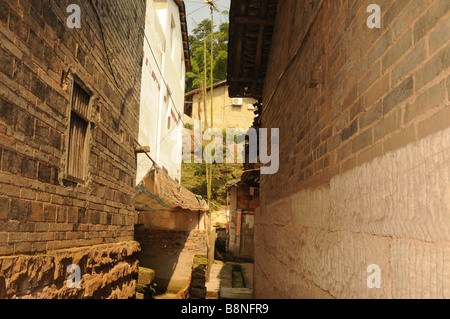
{"x":78,"y":131}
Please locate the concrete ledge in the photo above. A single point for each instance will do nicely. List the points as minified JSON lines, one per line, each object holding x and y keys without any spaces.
{"x":227,"y":291}
{"x":236,"y":293}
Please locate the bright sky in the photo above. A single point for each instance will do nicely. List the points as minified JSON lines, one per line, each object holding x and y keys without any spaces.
{"x":197,"y":11}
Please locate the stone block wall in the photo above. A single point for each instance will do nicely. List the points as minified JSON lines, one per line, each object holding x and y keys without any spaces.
{"x":40,"y":209}
{"x":364,"y":155}
{"x":105,"y":271}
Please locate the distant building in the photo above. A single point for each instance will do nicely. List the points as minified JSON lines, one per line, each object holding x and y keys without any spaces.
{"x":243,"y":205}
{"x":228,"y":112}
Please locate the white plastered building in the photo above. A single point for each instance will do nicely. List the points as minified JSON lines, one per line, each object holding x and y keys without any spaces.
{"x":166,"y":61}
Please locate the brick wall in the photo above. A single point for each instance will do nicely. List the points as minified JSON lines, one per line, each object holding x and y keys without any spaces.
{"x":364,"y":164}
{"x":40,"y":210}
{"x":170,"y":253}
{"x":173,"y":241}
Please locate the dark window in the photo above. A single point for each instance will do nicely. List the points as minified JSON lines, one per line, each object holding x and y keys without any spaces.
{"x":77,"y":151}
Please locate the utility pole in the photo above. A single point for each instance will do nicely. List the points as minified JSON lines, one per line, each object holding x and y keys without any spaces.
{"x":205,"y":84}
{"x":212,"y":95}
{"x":211,"y":238}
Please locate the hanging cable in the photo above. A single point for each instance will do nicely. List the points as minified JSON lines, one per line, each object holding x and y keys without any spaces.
{"x":104,"y":43}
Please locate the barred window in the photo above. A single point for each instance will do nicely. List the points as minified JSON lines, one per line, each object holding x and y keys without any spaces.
{"x":79,"y":124}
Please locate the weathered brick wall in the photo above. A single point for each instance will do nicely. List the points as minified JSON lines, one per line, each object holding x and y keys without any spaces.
{"x":364,"y":156}
{"x":170,"y":254}
{"x":40,"y":211}
{"x":173,"y":241}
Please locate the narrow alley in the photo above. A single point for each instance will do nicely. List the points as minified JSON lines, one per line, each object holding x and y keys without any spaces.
{"x":224,"y":150}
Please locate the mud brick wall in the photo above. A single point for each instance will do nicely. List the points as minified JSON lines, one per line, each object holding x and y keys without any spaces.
{"x":173,"y":241}
{"x":364,"y":156}
{"x":41,"y":211}
{"x":170,"y":254}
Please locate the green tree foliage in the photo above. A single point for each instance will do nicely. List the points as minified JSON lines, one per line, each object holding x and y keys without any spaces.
{"x":195,"y":78}
{"x":193,"y":177}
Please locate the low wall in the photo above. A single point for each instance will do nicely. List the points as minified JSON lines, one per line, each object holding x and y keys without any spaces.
{"x":169,"y":242}
{"x":170,"y":253}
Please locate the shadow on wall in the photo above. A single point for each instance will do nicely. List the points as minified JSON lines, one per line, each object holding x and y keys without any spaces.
{"x":169,"y":241}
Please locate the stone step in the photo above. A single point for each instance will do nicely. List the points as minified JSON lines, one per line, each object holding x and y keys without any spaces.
{"x":235,"y":293}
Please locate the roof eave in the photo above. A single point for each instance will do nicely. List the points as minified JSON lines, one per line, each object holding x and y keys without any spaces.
{"x":247,"y":64}
{"x":184,"y":32}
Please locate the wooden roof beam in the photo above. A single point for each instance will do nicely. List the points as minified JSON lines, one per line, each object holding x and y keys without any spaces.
{"x":248,"y":80}
{"x":253,"y":20}
{"x":239,"y":32}
{"x":259,"y":46}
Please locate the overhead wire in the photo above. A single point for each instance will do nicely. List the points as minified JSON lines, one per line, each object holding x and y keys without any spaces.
{"x":196,"y":10}
{"x":110,"y":64}
{"x":200,"y":2}
{"x":104,"y":43}
{"x":113,"y":73}
{"x":166,"y":85}
{"x":157,"y":65}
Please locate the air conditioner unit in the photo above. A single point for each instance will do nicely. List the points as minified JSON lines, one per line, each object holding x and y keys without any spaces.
{"x":236,"y":101}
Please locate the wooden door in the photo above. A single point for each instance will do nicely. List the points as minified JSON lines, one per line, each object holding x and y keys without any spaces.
{"x":247,"y":232}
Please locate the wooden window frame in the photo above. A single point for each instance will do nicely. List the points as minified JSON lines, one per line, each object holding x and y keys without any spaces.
{"x":72,"y":80}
